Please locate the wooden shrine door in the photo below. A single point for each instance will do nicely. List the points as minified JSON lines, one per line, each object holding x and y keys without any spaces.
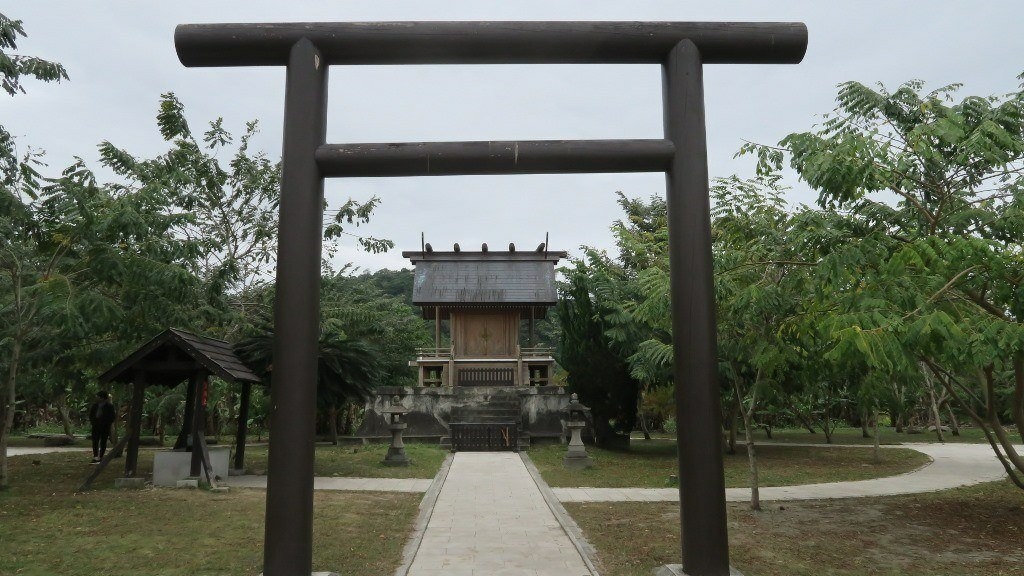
{"x":485,"y":334}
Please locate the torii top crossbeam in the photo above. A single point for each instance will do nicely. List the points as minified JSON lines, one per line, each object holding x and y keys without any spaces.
{"x":490,"y":42}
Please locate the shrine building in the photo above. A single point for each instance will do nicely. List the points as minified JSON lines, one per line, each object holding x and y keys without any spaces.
{"x":485,"y":384}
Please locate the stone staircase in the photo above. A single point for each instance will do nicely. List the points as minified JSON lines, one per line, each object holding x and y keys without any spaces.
{"x":487,"y":405}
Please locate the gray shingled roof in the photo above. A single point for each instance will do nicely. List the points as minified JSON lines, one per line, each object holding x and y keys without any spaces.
{"x":216,"y":356}
{"x":508,"y":278}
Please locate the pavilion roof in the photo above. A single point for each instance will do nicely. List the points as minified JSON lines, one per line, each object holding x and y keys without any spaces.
{"x":175,"y":354}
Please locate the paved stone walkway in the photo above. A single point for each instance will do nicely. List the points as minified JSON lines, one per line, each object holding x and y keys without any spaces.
{"x":953,"y":465}
{"x":491,"y":519}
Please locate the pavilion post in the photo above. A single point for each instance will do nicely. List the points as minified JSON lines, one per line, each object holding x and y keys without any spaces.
{"x":186,"y":421}
{"x":134,"y":431}
{"x":242,"y":426}
{"x":704,"y":540}
{"x":288,"y":539}
{"x":199,"y":380}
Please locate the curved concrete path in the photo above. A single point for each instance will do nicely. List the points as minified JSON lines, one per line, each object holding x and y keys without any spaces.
{"x":952,"y":465}
{"x":24,"y":451}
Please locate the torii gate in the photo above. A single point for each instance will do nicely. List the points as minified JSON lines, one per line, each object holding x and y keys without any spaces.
{"x":308,"y":49}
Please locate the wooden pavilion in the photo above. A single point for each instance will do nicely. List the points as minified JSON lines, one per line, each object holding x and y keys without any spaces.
{"x":170,"y":358}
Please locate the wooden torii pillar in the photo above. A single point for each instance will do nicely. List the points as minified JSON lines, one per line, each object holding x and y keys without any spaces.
{"x":308,"y":49}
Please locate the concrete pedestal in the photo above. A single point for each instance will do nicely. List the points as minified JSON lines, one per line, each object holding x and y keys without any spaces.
{"x":576,"y":456}
{"x":396,"y":452}
{"x":170,"y":466}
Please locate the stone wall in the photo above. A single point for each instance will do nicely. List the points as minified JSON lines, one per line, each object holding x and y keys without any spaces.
{"x":542,"y":410}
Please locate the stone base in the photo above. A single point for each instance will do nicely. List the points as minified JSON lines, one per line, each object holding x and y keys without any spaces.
{"x":577,"y":462}
{"x":130,"y":483}
{"x":677,"y":570}
{"x":396,"y":457}
{"x":187,"y":483}
{"x":402,"y":460}
{"x":220,"y":489}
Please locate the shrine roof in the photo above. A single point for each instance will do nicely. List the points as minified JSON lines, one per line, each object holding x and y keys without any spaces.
{"x":484,"y":278}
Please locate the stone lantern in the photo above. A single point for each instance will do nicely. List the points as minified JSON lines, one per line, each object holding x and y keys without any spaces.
{"x":396,"y":452}
{"x":576,"y":457}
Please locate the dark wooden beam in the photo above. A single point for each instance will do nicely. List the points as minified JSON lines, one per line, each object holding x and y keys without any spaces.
{"x":490,"y":42}
{"x":186,"y":421}
{"x":705,"y":544}
{"x":134,"y":431}
{"x":198,"y":421}
{"x":242,"y":426}
{"x":508,"y":157}
{"x":288,"y":536}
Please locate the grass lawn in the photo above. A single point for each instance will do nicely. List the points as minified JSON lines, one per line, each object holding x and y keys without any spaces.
{"x":648,"y":464}
{"x":855,"y":436}
{"x":341,"y":461}
{"x":46,"y":528}
{"x":360,"y":461}
{"x":973,"y":531}
{"x":847,"y":435}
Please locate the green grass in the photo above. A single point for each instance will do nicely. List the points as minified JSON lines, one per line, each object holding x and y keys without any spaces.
{"x":360,"y":461}
{"x":855,"y":436}
{"x":47,"y":528}
{"x":846,"y":435}
{"x":973,"y":531}
{"x":648,"y":464}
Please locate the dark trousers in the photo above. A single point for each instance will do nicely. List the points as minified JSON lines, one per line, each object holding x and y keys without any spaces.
{"x":100,"y":435}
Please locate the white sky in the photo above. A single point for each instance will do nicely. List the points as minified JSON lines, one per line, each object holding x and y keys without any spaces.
{"x":120,"y":56}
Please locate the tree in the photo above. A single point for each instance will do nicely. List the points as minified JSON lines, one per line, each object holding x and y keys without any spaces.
{"x":18,"y":178}
{"x":347,"y":368}
{"x":934,"y":278}
{"x":596,"y":372}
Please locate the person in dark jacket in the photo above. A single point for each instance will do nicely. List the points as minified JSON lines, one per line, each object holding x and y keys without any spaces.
{"x":101,"y":416}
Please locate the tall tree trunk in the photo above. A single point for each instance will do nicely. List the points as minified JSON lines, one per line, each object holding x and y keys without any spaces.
{"x":160,"y":428}
{"x":332,"y":423}
{"x":899,"y":423}
{"x":7,"y":408}
{"x":827,"y":428}
{"x":878,"y":454}
{"x":934,"y":404}
{"x":350,"y":418}
{"x":1018,"y":393}
{"x":864,"y":425}
{"x":65,"y":418}
{"x":642,"y":417}
{"x":954,"y":424}
{"x":755,"y":496}
{"x":734,"y":417}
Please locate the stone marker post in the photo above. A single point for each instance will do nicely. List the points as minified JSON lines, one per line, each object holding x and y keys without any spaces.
{"x":396,"y":452}
{"x":576,"y":457}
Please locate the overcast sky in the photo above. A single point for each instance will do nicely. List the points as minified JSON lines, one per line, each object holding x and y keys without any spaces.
{"x":120,"y":56}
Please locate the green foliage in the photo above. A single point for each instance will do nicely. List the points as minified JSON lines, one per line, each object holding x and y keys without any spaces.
{"x":347,"y":369}
{"x":13,"y":67}
{"x":596,"y":372}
